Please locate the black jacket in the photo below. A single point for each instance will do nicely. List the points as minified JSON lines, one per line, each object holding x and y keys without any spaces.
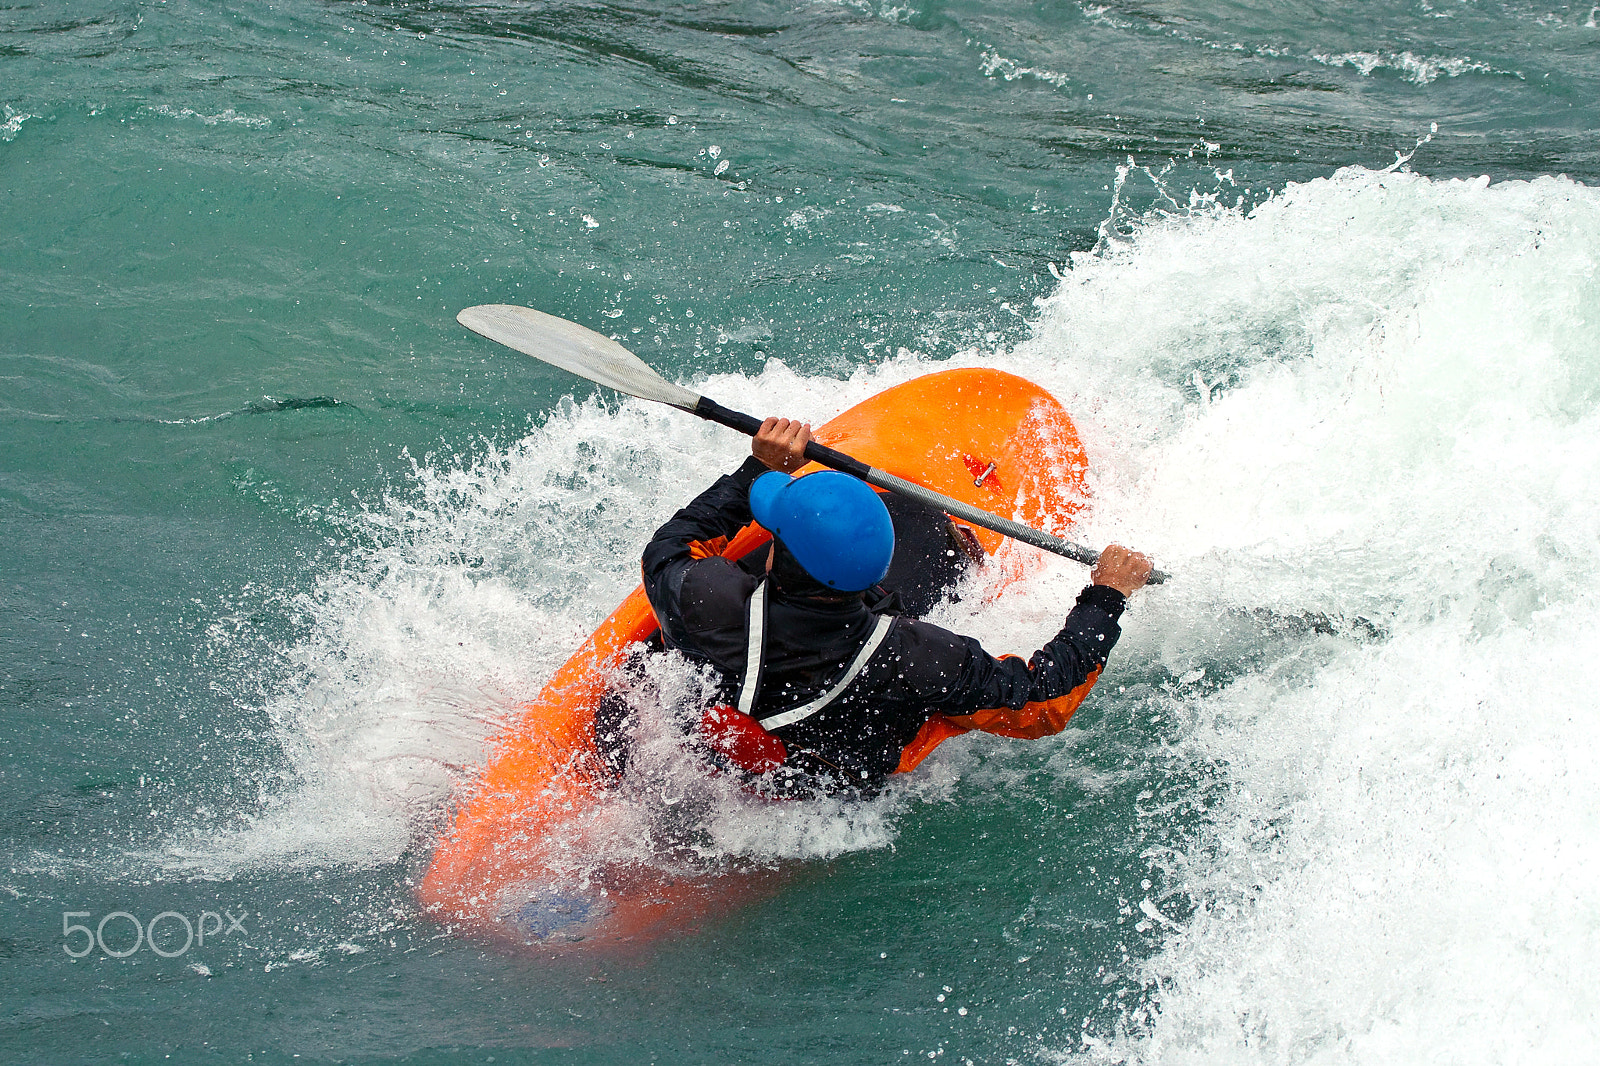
{"x":920,"y":669}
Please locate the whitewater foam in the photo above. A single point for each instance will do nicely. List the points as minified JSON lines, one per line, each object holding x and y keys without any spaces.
{"x":1400,"y":864}
{"x":1419,"y":70}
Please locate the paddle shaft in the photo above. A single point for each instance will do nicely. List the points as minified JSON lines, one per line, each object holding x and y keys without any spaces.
{"x":584,"y":352}
{"x":712,"y":411}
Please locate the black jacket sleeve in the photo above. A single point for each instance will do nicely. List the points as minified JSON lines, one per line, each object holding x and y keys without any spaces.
{"x":961,"y":677}
{"x":720,"y":511}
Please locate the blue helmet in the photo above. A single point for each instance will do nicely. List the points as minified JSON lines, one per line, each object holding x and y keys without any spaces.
{"x":835,"y":526}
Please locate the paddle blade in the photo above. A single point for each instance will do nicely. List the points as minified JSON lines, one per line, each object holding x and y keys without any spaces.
{"x":574,"y":349}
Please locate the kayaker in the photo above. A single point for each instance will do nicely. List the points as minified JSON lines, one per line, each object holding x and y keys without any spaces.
{"x":826,"y":688}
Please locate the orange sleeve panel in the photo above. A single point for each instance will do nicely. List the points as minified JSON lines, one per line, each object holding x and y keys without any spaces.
{"x":1029,"y":722}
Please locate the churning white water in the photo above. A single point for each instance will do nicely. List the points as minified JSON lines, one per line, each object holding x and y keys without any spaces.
{"x":1373,"y":397}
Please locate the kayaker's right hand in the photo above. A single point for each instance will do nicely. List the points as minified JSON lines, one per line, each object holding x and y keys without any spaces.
{"x":1121,"y":569}
{"x":781,"y":444}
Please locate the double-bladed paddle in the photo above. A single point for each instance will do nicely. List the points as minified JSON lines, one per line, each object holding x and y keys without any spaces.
{"x":603,"y":361}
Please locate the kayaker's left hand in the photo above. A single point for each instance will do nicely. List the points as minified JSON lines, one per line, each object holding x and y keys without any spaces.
{"x":781,"y":444}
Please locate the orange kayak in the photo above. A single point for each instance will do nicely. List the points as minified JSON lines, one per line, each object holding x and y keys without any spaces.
{"x":505,"y":868}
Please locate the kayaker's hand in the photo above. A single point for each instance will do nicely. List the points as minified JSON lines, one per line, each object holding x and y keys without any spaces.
{"x":781,"y":444}
{"x":1122,"y":569}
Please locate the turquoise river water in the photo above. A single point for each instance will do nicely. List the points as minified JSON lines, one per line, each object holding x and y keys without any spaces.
{"x":282,"y":546}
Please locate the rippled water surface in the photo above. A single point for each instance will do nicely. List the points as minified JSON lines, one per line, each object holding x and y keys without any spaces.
{"x":284,"y":546}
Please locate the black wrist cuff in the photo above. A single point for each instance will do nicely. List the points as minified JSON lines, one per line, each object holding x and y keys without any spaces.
{"x":748,"y":471}
{"x":1104,"y":597}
